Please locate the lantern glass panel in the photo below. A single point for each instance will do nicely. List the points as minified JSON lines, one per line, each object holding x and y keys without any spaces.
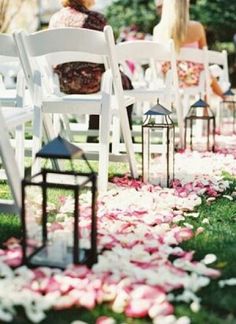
{"x":228,"y":111}
{"x":33,"y":218}
{"x":200,"y":127}
{"x":158,"y":153}
{"x":64,"y":222}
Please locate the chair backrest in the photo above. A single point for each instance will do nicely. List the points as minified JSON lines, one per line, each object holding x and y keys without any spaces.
{"x":42,"y":50}
{"x":220,"y":59}
{"x":148,"y":53}
{"x":195,"y":55}
{"x":9,"y":62}
{"x":198,"y":56}
{"x":154,"y":54}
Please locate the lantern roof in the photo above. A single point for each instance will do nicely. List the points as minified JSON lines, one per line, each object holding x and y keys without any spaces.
{"x":59,"y":148}
{"x":158,"y":109}
{"x":200,"y":104}
{"x":229,"y":92}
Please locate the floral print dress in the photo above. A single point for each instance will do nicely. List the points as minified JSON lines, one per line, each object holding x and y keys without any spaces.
{"x":188,"y":72}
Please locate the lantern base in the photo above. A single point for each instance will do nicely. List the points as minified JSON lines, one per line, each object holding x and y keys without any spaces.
{"x":43,"y":257}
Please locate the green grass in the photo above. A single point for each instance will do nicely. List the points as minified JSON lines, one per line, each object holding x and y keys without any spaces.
{"x":219,"y":237}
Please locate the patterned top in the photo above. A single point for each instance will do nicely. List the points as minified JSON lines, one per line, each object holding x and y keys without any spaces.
{"x":79,"y":77}
{"x":188,"y":72}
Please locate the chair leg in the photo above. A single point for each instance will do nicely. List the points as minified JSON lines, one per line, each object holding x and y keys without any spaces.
{"x":19,"y":148}
{"x":41,"y":122}
{"x":128,"y":140}
{"x":104,"y":133}
{"x":9,"y":163}
{"x":37,"y":138}
{"x":115,"y":135}
{"x":180,"y":118}
{"x":50,"y":135}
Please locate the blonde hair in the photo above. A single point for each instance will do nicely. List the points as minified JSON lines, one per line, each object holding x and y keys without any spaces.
{"x":174,"y":22}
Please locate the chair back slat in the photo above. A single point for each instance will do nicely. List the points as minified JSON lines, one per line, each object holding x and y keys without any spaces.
{"x":221,"y":59}
{"x":70,"y":39}
{"x":43,"y":50}
{"x":194,"y":55}
{"x":7,"y":47}
{"x":143,"y":49}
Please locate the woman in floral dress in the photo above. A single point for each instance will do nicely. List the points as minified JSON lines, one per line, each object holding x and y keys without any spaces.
{"x":175,"y":24}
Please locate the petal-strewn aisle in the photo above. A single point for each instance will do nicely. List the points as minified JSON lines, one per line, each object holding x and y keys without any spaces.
{"x":141,"y":263}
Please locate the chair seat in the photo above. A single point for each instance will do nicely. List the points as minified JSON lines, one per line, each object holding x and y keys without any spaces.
{"x":83,"y":101}
{"x":146,"y":94}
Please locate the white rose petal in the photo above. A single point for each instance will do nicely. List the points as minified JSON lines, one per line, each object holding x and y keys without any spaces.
{"x":209,"y":258}
{"x":228,"y":282}
{"x":195,"y":306}
{"x":183,"y":320}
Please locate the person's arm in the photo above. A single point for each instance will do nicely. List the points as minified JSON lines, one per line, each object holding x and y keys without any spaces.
{"x":202,"y":36}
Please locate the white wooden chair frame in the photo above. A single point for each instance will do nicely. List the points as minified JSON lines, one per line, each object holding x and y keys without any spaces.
{"x":79,"y":45}
{"x":13,"y":97}
{"x":152,"y":53}
{"x":220,"y":59}
{"x":202,"y":90}
{"x":198,"y":56}
{"x":11,"y":118}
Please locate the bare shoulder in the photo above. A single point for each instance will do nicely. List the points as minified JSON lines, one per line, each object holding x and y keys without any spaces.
{"x":196,"y":32}
{"x":196,"y":25}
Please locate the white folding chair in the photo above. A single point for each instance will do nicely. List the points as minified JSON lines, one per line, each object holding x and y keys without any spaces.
{"x":10,"y":119}
{"x":13,"y":97}
{"x":220,"y":59}
{"x":41,"y":51}
{"x":12,"y":85}
{"x":218,"y":68}
{"x":202,"y":89}
{"x":151,"y":54}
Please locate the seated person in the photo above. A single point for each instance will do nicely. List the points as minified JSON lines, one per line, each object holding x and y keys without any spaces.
{"x":175,"y":24}
{"x":82,"y":77}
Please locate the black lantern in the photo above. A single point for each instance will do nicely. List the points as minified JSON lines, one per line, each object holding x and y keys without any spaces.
{"x":200,"y":111}
{"x":229,"y":102}
{"x":52,"y":238}
{"x":158,"y":167}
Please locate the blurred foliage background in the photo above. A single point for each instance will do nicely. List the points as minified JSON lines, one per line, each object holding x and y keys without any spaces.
{"x":217,"y":16}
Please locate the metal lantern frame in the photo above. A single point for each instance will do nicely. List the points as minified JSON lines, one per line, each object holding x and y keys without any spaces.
{"x":192,"y":117}
{"x":230,"y":99}
{"x":43,"y":181}
{"x":150,"y":125}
